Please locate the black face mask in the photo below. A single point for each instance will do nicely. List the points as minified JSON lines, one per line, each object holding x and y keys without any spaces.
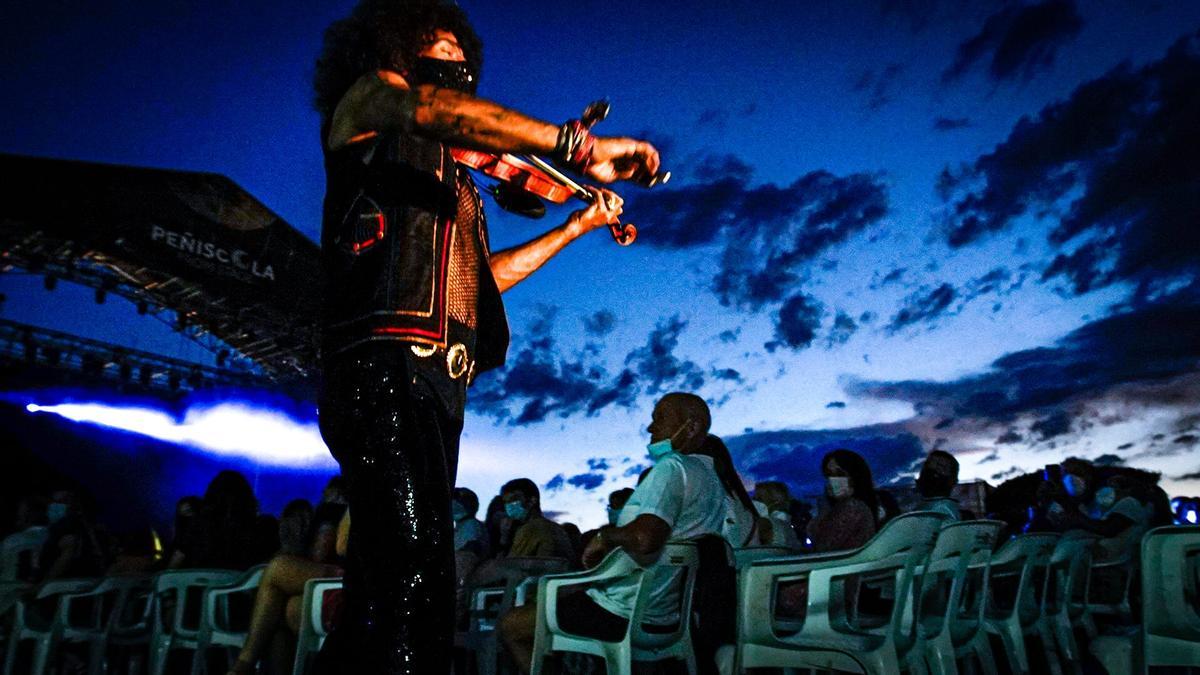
{"x":446,"y":74}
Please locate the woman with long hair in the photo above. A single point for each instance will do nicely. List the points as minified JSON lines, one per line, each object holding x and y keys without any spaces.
{"x":850,"y":517}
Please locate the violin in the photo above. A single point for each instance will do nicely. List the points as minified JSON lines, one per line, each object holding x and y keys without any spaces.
{"x":527,"y":179}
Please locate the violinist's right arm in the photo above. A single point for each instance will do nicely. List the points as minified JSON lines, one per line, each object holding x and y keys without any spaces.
{"x":380,"y":102}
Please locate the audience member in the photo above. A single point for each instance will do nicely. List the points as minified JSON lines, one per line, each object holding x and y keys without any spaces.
{"x":335,"y":491}
{"x":469,"y":533}
{"x":938,"y":478}
{"x":137,"y":554}
{"x":222,"y":533}
{"x":72,"y":548}
{"x":535,"y":535}
{"x":681,"y":498}
{"x":616,"y":501}
{"x":295,"y":524}
{"x":740,"y":527}
{"x":275,"y":619}
{"x":185,"y":514}
{"x":851,"y":515}
{"x":777,"y":501}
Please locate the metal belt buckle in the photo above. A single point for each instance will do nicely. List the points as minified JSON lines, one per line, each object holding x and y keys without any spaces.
{"x":457,"y":362}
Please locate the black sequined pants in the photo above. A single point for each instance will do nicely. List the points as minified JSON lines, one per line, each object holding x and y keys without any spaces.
{"x":398,"y":450}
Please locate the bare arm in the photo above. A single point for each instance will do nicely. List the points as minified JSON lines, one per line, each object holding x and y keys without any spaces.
{"x":512,"y":265}
{"x":642,"y":539}
{"x":382,"y":101}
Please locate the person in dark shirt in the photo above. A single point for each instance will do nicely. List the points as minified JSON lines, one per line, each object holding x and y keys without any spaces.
{"x":222,"y":534}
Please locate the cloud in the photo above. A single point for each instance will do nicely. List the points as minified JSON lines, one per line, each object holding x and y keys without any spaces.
{"x":555,"y":484}
{"x":798,"y":321}
{"x":586,"y":481}
{"x":730,"y":336}
{"x":1020,"y":41}
{"x":844,"y":327}
{"x":769,"y":233}
{"x":599,"y":323}
{"x":880,"y":87}
{"x":540,"y":381}
{"x":1057,"y":423}
{"x":1148,"y":344}
{"x":923,"y":306}
{"x":794,"y":456}
{"x":716,"y":118}
{"x":835,"y":404}
{"x":1112,"y":165}
{"x":950,"y":123}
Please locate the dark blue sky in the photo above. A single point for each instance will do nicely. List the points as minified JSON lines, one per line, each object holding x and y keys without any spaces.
{"x":881,"y":209}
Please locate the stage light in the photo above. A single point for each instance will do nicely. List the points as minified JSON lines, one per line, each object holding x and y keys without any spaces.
{"x":50,"y":282}
{"x":53,"y":356}
{"x":126,"y":371}
{"x":195,"y":379}
{"x":173,"y":381}
{"x":222,"y":357}
{"x":145,"y":374}
{"x":227,"y":429}
{"x":142,"y":307}
{"x":181,"y":322}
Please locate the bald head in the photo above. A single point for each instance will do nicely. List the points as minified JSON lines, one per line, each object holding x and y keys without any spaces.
{"x":682,"y":417}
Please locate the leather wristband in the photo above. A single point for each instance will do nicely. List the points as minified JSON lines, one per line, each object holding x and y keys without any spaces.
{"x":574,"y":146}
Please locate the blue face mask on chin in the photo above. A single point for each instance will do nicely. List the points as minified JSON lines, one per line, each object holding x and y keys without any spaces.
{"x":662,"y":448}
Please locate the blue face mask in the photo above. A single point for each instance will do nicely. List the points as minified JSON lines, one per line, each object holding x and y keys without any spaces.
{"x":613,"y":516}
{"x":458,"y":512}
{"x":1106,"y":497}
{"x":662,"y":448}
{"x":515,"y":510}
{"x":56,"y":511}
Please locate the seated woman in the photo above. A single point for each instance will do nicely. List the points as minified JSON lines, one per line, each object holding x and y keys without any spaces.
{"x":282,"y":588}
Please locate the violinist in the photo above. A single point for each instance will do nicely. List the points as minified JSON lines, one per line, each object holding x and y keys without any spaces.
{"x":412,"y":310}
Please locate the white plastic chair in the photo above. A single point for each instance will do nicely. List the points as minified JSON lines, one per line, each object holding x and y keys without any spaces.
{"x":16,"y":548}
{"x":168,"y":633}
{"x":826,"y":639}
{"x":1115,"y":644}
{"x":215,"y":628}
{"x":106,"y":602}
{"x":1171,"y":597}
{"x":681,"y":561}
{"x":1024,"y":559}
{"x":21,"y":546}
{"x":1065,"y":600}
{"x":952,"y":596}
{"x":491,"y":601}
{"x":312,"y":626}
{"x":45,"y":632}
{"x":130,"y":626}
{"x":550,"y":637}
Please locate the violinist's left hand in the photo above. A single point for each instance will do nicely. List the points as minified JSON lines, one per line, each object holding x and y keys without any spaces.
{"x":605,"y":210}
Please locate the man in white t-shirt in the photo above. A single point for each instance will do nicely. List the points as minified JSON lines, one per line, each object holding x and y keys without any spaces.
{"x":681,"y":498}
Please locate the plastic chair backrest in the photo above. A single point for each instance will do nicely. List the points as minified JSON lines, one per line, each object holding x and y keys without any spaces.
{"x":312,"y":624}
{"x":185,"y":616}
{"x":679,"y":560}
{"x":1170,"y":597}
{"x":1027,"y":557}
{"x":944,"y":577}
{"x":1066,"y":585}
{"x":21,"y":546}
{"x":748,"y":554}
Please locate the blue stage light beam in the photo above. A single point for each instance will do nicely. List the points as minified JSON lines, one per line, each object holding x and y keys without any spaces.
{"x":227,"y":429}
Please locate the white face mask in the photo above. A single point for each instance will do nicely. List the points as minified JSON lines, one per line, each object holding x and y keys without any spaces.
{"x":838,"y":487}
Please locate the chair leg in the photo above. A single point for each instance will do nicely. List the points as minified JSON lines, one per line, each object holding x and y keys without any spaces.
{"x":10,"y":654}
{"x":41,"y":657}
{"x":983,"y":653}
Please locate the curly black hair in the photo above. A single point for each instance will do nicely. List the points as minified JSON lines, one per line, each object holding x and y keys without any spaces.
{"x":385,"y":34}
